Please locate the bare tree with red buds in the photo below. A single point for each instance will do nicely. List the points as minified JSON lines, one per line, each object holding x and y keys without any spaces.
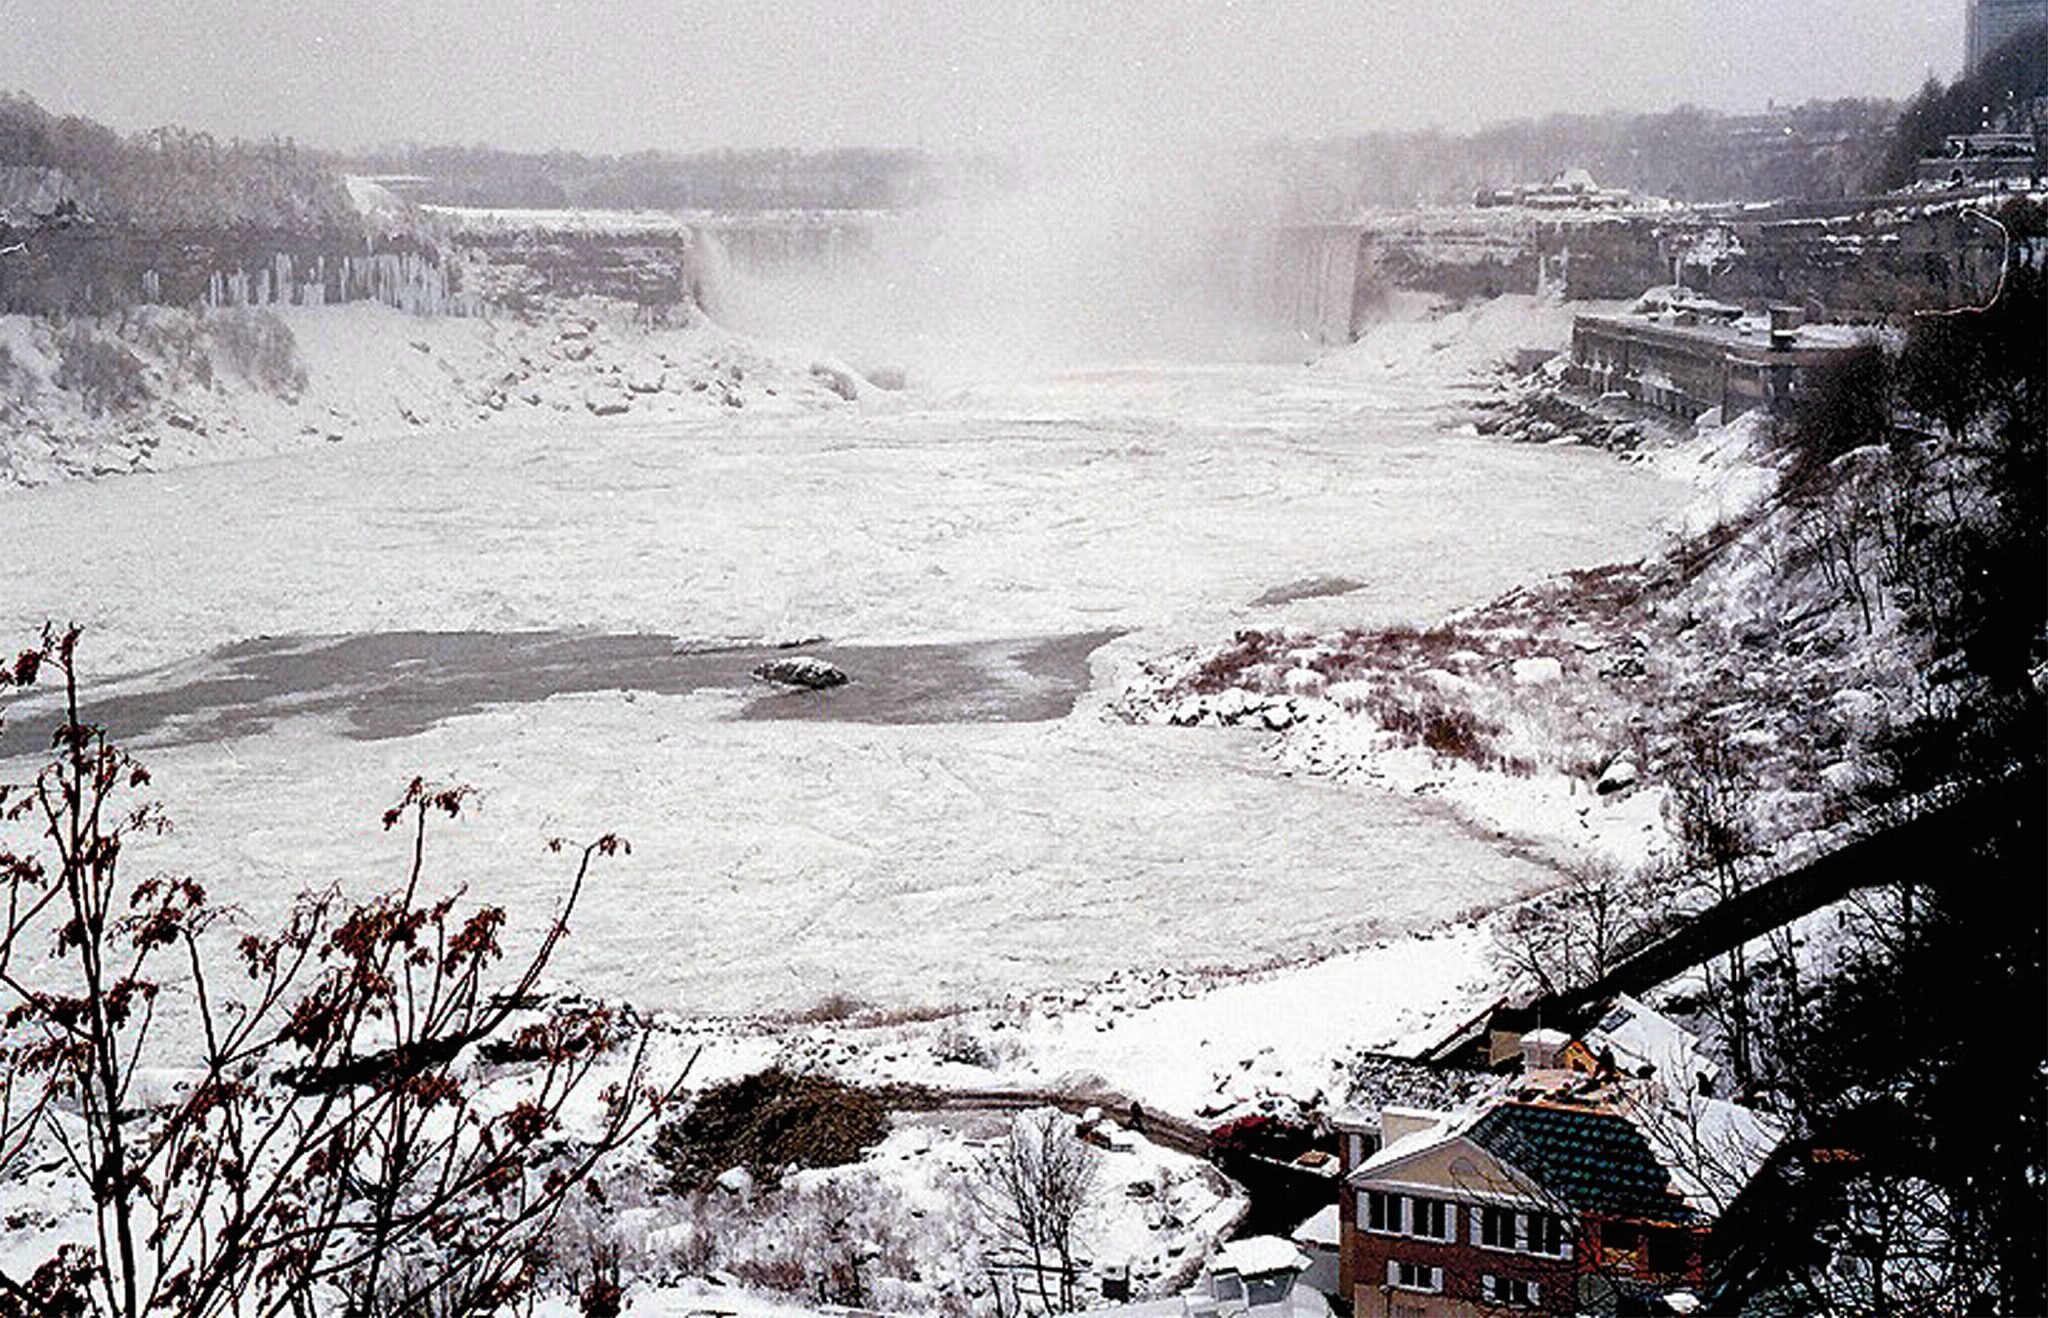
{"x":338,"y":1147}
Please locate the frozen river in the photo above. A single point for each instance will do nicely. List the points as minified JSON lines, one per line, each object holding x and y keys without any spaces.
{"x":778,"y":861}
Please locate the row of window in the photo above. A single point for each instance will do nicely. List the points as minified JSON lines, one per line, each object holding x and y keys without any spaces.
{"x":1406,"y":1215}
{"x":1437,"y":1219}
{"x":1492,"y":1289}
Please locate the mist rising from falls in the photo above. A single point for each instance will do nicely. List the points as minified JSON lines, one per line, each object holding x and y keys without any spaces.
{"x":1093,"y":261}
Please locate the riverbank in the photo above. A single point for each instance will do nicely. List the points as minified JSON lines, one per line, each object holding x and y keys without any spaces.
{"x":162,"y":388}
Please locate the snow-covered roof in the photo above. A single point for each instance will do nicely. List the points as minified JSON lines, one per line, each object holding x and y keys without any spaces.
{"x":1712,"y":1147}
{"x":1448,"y":1126}
{"x":1321,"y":1229}
{"x":1173,"y":1306}
{"x":1640,"y":1036}
{"x":1259,"y":1254}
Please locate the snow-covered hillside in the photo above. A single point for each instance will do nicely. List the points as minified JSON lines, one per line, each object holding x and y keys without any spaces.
{"x":160,"y":388}
{"x":1555,"y":713}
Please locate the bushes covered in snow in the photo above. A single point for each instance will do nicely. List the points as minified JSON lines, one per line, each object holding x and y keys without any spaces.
{"x":259,"y":347}
{"x":769,"y":1123}
{"x":70,"y":372}
{"x":100,"y":372}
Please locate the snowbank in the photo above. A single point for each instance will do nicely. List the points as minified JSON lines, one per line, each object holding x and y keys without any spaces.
{"x":1422,"y":344}
{"x":1554,"y":714}
{"x":188,"y":392}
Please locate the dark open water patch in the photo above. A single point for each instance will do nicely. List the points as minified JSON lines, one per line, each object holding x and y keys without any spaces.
{"x":395,"y":684}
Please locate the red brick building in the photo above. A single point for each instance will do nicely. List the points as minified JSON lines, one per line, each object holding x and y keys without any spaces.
{"x":1539,"y":1202}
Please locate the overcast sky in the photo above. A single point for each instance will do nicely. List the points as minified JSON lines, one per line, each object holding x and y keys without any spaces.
{"x":617,"y":75}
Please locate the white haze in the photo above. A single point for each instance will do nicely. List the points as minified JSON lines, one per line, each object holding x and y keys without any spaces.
{"x":1123,"y":252}
{"x":628,"y":75}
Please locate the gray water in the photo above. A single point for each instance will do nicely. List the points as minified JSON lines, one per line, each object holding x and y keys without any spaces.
{"x":397,"y":684}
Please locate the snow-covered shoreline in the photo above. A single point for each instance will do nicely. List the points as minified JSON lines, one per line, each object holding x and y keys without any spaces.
{"x":164,"y":389}
{"x":1544,"y":716}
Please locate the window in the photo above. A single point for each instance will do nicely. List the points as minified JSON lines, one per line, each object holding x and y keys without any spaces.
{"x":1524,"y":1233}
{"x":1382,"y":1212}
{"x":1414,"y":1276}
{"x":1429,"y":1218}
{"x":1517,"y":1291}
{"x":1426,"y":1219}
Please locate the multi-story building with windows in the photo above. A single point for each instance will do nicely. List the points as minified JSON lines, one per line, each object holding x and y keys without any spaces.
{"x":1437,"y":1223}
{"x":1563,"y":1193}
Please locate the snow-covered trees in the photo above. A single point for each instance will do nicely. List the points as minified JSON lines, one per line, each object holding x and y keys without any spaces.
{"x":172,"y":178}
{"x":1572,"y":936}
{"x":1914,"y":1063}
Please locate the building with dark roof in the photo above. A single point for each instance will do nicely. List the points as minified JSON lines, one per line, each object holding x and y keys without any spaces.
{"x":1594,"y":1161}
{"x":1562,"y":1193}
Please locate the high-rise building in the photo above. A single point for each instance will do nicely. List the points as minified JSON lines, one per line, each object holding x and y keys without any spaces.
{"x":1992,"y":23}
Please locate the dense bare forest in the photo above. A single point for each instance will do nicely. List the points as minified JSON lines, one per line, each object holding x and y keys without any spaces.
{"x":169,"y":178}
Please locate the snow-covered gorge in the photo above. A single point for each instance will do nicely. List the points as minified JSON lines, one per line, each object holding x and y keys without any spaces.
{"x":775,"y":863}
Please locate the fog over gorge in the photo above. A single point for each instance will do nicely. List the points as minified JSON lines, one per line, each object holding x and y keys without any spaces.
{"x":1117,"y":254}
{"x":934,"y":658}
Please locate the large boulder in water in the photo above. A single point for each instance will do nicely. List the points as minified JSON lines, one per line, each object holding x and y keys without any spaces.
{"x":803,"y":670}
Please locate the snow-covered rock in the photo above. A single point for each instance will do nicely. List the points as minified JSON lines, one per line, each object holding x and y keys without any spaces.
{"x":836,"y":378}
{"x":802,"y":670}
{"x":1537,"y":671}
{"x":606,"y":400}
{"x":1843,"y":777}
{"x":1280,"y":714}
{"x":1620,"y":775}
